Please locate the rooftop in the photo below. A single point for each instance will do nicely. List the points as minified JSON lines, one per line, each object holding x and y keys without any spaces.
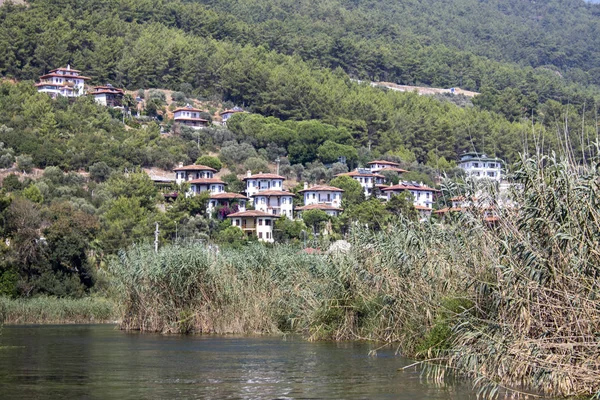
{"x":384,"y":162}
{"x":321,"y":188}
{"x":273,"y":193}
{"x":319,"y":206}
{"x":252,"y":213}
{"x":228,"y":195}
{"x":194,"y":167}
{"x":207,"y":181}
{"x":410,"y":186}
{"x":264,"y":176}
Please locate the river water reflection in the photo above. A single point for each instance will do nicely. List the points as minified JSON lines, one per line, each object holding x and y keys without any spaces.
{"x":101,"y":362}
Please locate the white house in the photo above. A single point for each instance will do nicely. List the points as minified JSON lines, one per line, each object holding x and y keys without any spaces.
{"x":423,"y":195}
{"x":189,"y":116}
{"x":212,"y":185}
{"x":322,"y":194}
{"x":258,"y":182}
{"x":234,"y":201}
{"x":225,"y":115}
{"x":480,"y":166}
{"x":255,"y":222}
{"x":367,"y":179}
{"x":327,"y":208}
{"x":63,"y":82}
{"x":276,"y":202}
{"x":379,"y":166}
{"x":194,"y":171}
{"x":108,"y":95}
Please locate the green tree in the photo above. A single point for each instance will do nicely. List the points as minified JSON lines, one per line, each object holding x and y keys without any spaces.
{"x":210,"y":161}
{"x":33,"y":193}
{"x":353,"y":191}
{"x":315,"y":219}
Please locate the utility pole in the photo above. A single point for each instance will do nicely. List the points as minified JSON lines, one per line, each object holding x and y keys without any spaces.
{"x":156,"y":239}
{"x":277,"y":161}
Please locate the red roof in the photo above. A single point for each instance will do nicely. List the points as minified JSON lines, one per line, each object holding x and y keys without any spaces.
{"x":402,"y":186}
{"x":312,"y":250}
{"x":107,"y":89}
{"x":422,"y":208}
{"x":195,"y":167}
{"x":321,"y":188}
{"x":187,"y":109}
{"x":190,"y":119}
{"x":52,"y":75}
{"x":383,"y":162}
{"x":252,"y":213}
{"x":264,"y":176}
{"x":227,"y":195}
{"x":230,"y":112}
{"x":206,"y":181}
{"x":448,"y":209}
{"x":356,"y":173}
{"x":393,"y":169}
{"x":65,"y":69}
{"x":273,"y":193}
{"x":318,"y":206}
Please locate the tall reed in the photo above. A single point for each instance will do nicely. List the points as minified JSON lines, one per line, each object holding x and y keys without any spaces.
{"x":514,"y":306}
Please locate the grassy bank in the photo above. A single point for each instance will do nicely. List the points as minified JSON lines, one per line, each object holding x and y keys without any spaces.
{"x":516,"y":306}
{"x":52,"y":310}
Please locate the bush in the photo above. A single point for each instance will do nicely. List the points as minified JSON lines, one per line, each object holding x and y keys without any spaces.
{"x":256,"y":165}
{"x":25,"y":163}
{"x":100,"y":171}
{"x":210,"y":161}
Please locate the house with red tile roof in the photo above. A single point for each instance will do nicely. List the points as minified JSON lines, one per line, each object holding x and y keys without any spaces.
{"x":262,"y":181}
{"x":276,"y":202}
{"x":190,"y":117}
{"x":367,"y":179}
{"x":232,"y":201}
{"x":108,"y":95}
{"x":193,"y":171}
{"x":255,"y":222}
{"x":66,"y":82}
{"x":225,"y":115}
{"x":422,"y":195}
{"x":379,"y":166}
{"x":330,"y":196}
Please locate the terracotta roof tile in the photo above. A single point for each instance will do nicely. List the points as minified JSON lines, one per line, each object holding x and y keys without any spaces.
{"x":319,"y":206}
{"x":264,"y":176}
{"x":273,"y":193}
{"x":252,"y":213}
{"x":321,"y":188}
{"x":383,"y":162}
{"x":206,"y":181}
{"x":228,"y":195}
{"x":195,"y":167}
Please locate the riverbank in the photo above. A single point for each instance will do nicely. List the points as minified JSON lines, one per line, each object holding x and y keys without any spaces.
{"x":510,"y":306}
{"x":52,"y":310}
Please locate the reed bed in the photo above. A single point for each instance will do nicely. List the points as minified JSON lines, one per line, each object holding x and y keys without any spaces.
{"x":52,"y":310}
{"x":515,"y":307}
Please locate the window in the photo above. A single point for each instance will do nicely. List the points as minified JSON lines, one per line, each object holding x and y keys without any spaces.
{"x":260,"y":222}
{"x":236,"y":222}
{"x":260,"y":235}
{"x":328,"y":196}
{"x":314,"y":196}
{"x":491,"y":174}
{"x":427,"y":194}
{"x":267,"y":222}
{"x":492,"y":165}
{"x":476,"y":165}
{"x":268,"y":235}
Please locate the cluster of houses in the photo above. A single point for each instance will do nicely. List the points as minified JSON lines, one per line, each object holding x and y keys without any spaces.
{"x":270,"y":200}
{"x":265,"y":191}
{"x":69,"y":82}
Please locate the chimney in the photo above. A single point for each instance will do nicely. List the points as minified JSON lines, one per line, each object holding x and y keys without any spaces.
{"x":68,"y":66}
{"x":305,"y":185}
{"x":248,"y":173}
{"x":180,"y":164}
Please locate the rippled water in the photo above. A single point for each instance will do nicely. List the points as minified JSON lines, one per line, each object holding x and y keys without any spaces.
{"x":99,"y":361}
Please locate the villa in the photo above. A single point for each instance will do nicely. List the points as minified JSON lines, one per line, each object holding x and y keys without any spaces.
{"x":258,"y":182}
{"x":191,"y":172}
{"x":63,"y":82}
{"x":422,"y":195}
{"x":367,"y":179}
{"x":322,"y":194}
{"x":255,"y":222}
{"x":379,"y":166}
{"x":108,"y":95}
{"x":190,"y":117}
{"x":233,"y":201}
{"x":225,"y":115}
{"x":480,"y":166}
{"x":275,"y":202}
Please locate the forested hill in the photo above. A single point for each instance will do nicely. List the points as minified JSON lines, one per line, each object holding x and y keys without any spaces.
{"x":292,"y":60}
{"x":563,"y":34}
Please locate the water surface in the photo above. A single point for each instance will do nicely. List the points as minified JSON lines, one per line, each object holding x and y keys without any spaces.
{"x":101,"y":362}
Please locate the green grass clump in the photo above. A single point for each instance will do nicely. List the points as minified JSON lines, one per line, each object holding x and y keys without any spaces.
{"x":52,"y":310}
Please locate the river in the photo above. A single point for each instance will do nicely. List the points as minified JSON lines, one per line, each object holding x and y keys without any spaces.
{"x":101,"y":362}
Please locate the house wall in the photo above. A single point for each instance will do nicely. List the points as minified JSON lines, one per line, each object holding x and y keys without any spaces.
{"x":323,"y":197}
{"x":101,"y":99}
{"x":182,"y":176}
{"x":276,"y":205}
{"x":420,"y":197}
{"x":254,"y":186}
{"x":482,"y":169}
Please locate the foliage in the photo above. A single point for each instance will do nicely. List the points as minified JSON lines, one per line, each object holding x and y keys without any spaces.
{"x":210,"y":161}
{"x":353,"y":191}
{"x":315,"y":219}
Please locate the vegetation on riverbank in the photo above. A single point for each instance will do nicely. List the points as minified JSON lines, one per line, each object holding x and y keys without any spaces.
{"x":53,"y":310}
{"x":515,"y":306}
